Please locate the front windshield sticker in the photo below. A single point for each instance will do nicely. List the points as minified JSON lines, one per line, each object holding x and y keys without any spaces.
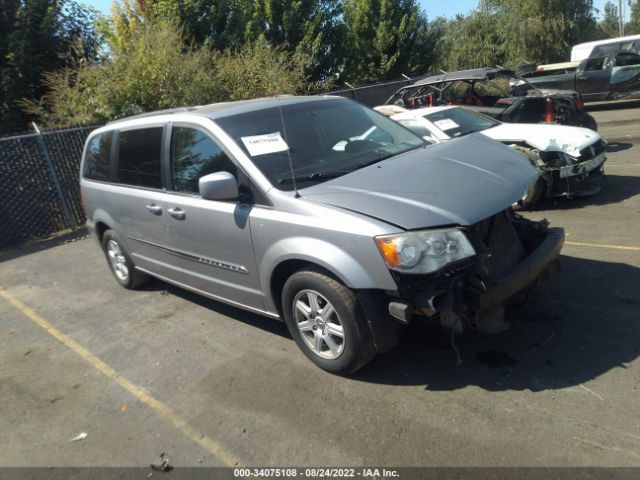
{"x":446,"y":124}
{"x":263,"y":144}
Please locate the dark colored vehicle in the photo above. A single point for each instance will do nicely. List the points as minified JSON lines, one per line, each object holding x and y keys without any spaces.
{"x":499,"y":93}
{"x":612,"y":76}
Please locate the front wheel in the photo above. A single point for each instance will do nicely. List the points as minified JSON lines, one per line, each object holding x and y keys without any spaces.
{"x":589,"y":122}
{"x":534,"y":194}
{"x":325,"y":320}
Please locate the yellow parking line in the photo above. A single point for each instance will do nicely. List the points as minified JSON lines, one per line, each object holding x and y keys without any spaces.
{"x":204,"y":441}
{"x":603,"y":245}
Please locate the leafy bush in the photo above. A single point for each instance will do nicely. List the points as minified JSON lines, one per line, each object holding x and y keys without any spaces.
{"x":256,"y":70}
{"x":155,"y":69}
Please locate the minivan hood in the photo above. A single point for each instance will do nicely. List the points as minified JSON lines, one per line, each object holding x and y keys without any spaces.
{"x":545,"y":137}
{"x":459,"y":182}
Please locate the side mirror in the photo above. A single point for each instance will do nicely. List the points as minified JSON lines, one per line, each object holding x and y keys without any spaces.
{"x":218,"y":186}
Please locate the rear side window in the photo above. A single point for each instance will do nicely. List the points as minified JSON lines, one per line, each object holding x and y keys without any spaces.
{"x":193,"y":155}
{"x":97,"y":163}
{"x":139,"y":154}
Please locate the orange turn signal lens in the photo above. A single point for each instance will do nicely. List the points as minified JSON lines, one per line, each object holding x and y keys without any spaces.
{"x":389,"y":250}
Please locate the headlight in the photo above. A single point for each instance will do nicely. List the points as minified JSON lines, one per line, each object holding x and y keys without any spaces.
{"x":557,"y":159}
{"x":424,"y":252}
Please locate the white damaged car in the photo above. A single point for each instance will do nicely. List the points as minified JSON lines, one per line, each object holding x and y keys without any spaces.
{"x":570,"y":159}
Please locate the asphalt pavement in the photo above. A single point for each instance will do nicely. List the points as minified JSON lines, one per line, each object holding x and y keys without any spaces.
{"x":163,"y":370}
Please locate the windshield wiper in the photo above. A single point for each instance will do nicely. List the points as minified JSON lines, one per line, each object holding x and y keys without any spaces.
{"x":321,"y":175}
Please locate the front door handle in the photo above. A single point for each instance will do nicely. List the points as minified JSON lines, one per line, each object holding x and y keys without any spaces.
{"x":177,"y":212}
{"x":155,"y":209}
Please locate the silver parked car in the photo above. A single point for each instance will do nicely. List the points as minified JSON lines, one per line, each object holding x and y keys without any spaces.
{"x":320,"y":212}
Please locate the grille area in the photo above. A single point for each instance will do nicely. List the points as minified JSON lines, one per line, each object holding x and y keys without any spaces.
{"x":502,"y":242}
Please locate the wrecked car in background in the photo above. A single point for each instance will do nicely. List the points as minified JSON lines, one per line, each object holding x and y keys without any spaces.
{"x":606,"y":77}
{"x":570,"y":159}
{"x":499,"y":93}
{"x":321,"y":212}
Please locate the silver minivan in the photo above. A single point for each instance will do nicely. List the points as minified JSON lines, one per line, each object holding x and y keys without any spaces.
{"x":320,"y":212}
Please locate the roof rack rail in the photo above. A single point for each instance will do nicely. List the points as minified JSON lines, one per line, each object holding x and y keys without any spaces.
{"x":157,"y":112}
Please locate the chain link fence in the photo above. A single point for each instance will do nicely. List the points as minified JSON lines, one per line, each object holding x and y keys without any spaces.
{"x":39,"y":184}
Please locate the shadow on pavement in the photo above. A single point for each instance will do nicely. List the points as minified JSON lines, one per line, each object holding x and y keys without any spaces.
{"x":612,"y":105}
{"x":617,"y":188}
{"x":570,"y":334}
{"x":615,"y":147}
{"x":268,"y":324}
{"x":21,"y":250}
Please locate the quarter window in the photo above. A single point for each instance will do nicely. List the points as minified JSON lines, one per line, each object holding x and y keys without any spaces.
{"x":139,"y":157}
{"x":97,"y":163}
{"x":193,"y":155}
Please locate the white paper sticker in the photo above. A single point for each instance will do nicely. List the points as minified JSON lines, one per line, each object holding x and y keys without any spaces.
{"x":446,"y":124}
{"x":263,"y":144}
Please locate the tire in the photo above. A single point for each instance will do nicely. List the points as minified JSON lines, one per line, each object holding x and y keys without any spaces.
{"x":534,"y":194}
{"x":589,"y":122}
{"x":119,"y":261}
{"x":338,"y":340}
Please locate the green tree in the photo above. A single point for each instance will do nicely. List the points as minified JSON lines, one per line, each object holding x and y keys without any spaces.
{"x":38,"y":36}
{"x":156,"y":69}
{"x":633,"y":26}
{"x":542,"y":31}
{"x":219,"y":24}
{"x":609,"y":26}
{"x":385,"y":39}
{"x":312,"y":30}
{"x":474,"y":41}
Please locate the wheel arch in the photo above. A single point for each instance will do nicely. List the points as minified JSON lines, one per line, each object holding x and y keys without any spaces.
{"x":101,"y":227}
{"x":102,"y":222}
{"x":284,"y":270}
{"x":283,"y":258}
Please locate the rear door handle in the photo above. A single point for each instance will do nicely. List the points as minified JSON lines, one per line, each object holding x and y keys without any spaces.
{"x":155,"y":209}
{"x":177,"y":212}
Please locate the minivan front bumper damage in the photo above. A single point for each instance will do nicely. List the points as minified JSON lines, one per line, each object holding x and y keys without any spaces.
{"x":543,"y":261}
{"x":513,"y":254}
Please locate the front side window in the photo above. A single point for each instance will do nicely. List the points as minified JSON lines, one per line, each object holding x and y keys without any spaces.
{"x":97,"y":163}
{"x":313,"y":141}
{"x":193,"y":155}
{"x":139,"y":153}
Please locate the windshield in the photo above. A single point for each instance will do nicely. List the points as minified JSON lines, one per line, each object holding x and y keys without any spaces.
{"x":457,"y":122}
{"x":324,"y":139}
{"x":416,"y":127}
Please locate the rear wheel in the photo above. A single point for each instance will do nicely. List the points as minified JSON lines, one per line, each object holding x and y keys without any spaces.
{"x":326,"y":322}
{"x":120,"y":263}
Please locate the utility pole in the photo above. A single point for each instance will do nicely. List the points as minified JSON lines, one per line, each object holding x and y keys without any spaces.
{"x":620,"y":18}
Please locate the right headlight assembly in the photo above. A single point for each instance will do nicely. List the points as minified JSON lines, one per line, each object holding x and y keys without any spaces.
{"x":425,"y":251}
